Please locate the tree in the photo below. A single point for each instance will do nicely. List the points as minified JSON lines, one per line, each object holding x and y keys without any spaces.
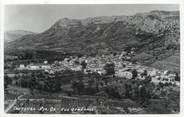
{"x":52,"y":84}
{"x":91,"y":82}
{"x":78,"y":87}
{"x":7,"y":81}
{"x":113,"y":92}
{"x":134,"y":74}
{"x":74,"y":87}
{"x":84,"y":64}
{"x":32,"y":85}
{"x":143,"y":94}
{"x":145,"y":73}
{"x":127,"y":90}
{"x":109,"y":68}
{"x":147,"y":80}
{"x":177,"y":77}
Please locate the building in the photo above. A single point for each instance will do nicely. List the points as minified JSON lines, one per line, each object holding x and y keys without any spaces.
{"x":76,"y":68}
{"x":125,"y":74}
{"x":152,"y":72}
{"x":34,"y":67}
{"x":45,"y":62}
{"x":22,"y":66}
{"x":45,"y":66}
{"x":11,"y":75}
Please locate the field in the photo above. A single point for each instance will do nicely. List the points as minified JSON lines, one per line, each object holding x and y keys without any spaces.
{"x":42,"y":103}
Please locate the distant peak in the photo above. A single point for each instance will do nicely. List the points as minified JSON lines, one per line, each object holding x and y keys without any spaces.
{"x":63,"y":19}
{"x":66,"y":22}
{"x":165,"y":12}
{"x":19,"y":32}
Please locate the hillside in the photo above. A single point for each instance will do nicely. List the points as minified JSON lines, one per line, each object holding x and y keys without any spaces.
{"x":10,"y":36}
{"x":171,"y":63}
{"x":156,"y":33}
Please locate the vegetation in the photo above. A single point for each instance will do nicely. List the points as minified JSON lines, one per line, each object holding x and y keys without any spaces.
{"x":143,"y":92}
{"x":109,"y":68}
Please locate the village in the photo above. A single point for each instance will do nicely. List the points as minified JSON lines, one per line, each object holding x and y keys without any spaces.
{"x":123,"y":67}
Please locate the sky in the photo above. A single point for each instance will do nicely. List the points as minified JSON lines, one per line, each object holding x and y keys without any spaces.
{"x":37,"y":18}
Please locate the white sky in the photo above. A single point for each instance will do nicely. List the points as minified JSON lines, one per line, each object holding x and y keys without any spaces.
{"x":38,"y":18}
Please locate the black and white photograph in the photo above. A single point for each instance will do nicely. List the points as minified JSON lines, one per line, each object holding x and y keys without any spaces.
{"x":91,"y":59}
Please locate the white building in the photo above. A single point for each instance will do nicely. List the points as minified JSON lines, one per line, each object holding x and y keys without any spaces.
{"x":76,"y":68}
{"x":38,"y":67}
{"x":21,"y":66}
{"x":45,"y":62}
{"x":126,"y":74}
{"x":33,"y":67}
{"x":152,"y":73}
{"x":45,"y":66}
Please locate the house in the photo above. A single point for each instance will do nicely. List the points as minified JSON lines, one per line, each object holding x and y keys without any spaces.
{"x":140,"y":70}
{"x":139,"y":76}
{"x":45,"y":66}
{"x":152,"y":72}
{"x":45,"y":62}
{"x":76,"y":68}
{"x":122,"y":54}
{"x":22,"y":67}
{"x":171,"y":78}
{"x":125,"y":74}
{"x":167,"y":79}
{"x":86,"y":71}
{"x":156,"y":79}
{"x":60,"y":62}
{"x":49,"y":71}
{"x":8,"y":57}
{"x":33,"y":67}
{"x":38,"y":67}
{"x":101,"y":72}
{"x":11,"y":75}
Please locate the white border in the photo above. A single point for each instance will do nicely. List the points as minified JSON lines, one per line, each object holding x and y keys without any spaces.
{"x":5,"y":2}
